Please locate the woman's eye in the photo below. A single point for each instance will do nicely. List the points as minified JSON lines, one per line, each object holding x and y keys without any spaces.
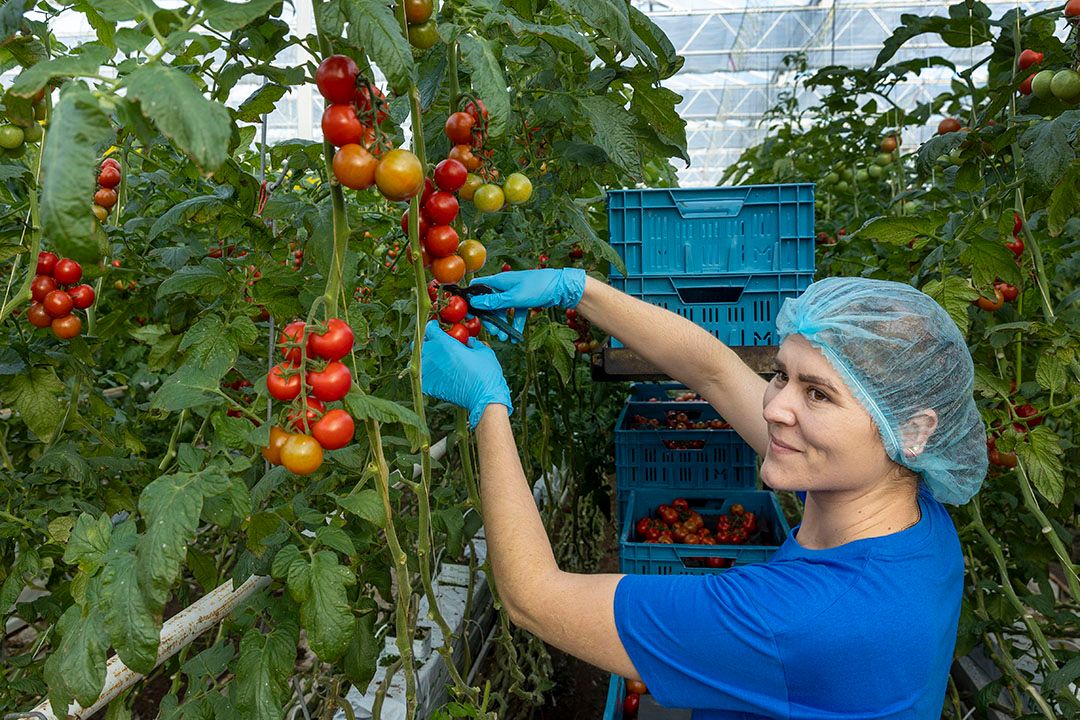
{"x":817,"y":396}
{"x":780,"y":376}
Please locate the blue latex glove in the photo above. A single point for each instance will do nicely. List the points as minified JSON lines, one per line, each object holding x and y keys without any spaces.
{"x":467,"y":376}
{"x":526,"y":289}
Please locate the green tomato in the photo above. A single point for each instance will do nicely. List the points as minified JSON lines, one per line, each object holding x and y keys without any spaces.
{"x":875,"y":171}
{"x":517,"y":188}
{"x":489,"y":198}
{"x":862,"y":176}
{"x":832,"y":178}
{"x":11,"y":136}
{"x":884,"y":159}
{"x":32,"y":133}
{"x":1066,"y":85}
{"x":424,"y":35}
{"x":846,"y":173}
{"x":842,"y":186}
{"x":1040,"y":84}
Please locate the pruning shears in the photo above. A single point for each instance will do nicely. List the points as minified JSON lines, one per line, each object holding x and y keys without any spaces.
{"x":494,"y":317}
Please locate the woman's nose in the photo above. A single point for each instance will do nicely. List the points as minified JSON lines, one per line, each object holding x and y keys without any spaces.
{"x":779,"y":406}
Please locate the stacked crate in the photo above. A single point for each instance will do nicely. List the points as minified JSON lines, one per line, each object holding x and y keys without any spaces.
{"x":725,"y":258}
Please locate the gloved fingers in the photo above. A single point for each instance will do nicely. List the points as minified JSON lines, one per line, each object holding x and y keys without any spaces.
{"x":432,"y":330}
{"x":521,"y":315}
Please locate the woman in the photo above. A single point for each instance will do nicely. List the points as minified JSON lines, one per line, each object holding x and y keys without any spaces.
{"x":870,"y":412}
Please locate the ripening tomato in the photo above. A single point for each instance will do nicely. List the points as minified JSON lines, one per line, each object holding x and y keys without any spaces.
{"x":630,"y":704}
{"x":67,"y":272}
{"x":423,"y":35}
{"x":332,"y":383}
{"x":459,"y":332}
{"x":283,"y":382}
{"x":517,"y":188}
{"x":474,"y":254}
{"x":315,"y":410}
{"x":333,"y":344}
{"x":464,"y":155}
{"x":992,"y":305}
{"x":354,"y":166}
{"x":37,"y":315}
{"x":100,"y":213}
{"x":489,"y":198}
{"x":1017,"y":246}
{"x":399,"y":175}
{"x":58,"y":304}
{"x":441,"y":241}
{"x":42,"y":286}
{"x":450,"y":175}
{"x":363,"y":105}
{"x":417,"y":11}
{"x":1028,"y":58}
{"x":459,"y":127}
{"x":472,"y":325}
{"x":449,"y":269}
{"x":441,"y":208}
{"x":290,"y":341}
{"x":472,"y":184}
{"x":82,"y":296}
{"x":948,"y":125}
{"x":46,"y":261}
{"x":110,"y":162}
{"x":336,"y":78}
{"x":1009,"y":292}
{"x":340,"y":126}
{"x":66,"y":327}
{"x":105,"y":197}
{"x":109,"y":177}
{"x":301,"y":454}
{"x":335,"y":430}
{"x":636,"y":686}
{"x":455,"y":310}
{"x":272,"y":452}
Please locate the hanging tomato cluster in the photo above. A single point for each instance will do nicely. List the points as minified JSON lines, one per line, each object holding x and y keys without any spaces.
{"x":308,"y":389}
{"x":55,"y":293}
{"x":108,"y":180}
{"x":422,"y":33}
{"x":453,"y":311}
{"x":467,"y":130}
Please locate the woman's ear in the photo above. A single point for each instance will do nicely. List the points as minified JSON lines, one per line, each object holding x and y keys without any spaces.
{"x":916,"y":432}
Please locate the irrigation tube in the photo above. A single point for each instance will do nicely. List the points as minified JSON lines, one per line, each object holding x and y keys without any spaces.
{"x":179,"y":630}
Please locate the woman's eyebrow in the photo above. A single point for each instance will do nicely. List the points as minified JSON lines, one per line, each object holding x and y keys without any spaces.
{"x":810,"y":379}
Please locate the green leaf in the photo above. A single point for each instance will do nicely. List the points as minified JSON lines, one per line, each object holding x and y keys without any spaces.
{"x":488,"y":80}
{"x":963,"y":28}
{"x":656,"y":106}
{"x":261,"y":685}
{"x":989,"y":261}
{"x":134,"y":626}
{"x":34,"y":397}
{"x":210,"y":663}
{"x":88,"y":542}
{"x":373,"y":26}
{"x":225,"y":16}
{"x":897,"y":230}
{"x":562,"y":38}
{"x":1064,"y":200}
{"x":121,"y":10}
{"x":1039,"y":458}
{"x":365,"y":504}
{"x":213,"y":346}
{"x":334,"y":537}
{"x":556,"y":342}
{"x":170,"y":507}
{"x":292,"y":567}
{"x":955,"y":295}
{"x":87,"y":63}
{"x":171,"y":100}
{"x":78,"y":663}
{"x":326,"y":614}
{"x":181,"y":212}
{"x":613,"y":132}
{"x":369,"y":407}
{"x":77,"y":130}
{"x":260,"y":102}
{"x":188,"y":387}
{"x":654,"y":38}
{"x":1062,"y":677}
{"x":208,"y":280}
{"x":574,"y":216}
{"x":1050,"y":373}
{"x":609,"y":17}
{"x":11,"y":17}
{"x":1047,"y":152}
{"x":362,"y":656}
{"x":452,"y":522}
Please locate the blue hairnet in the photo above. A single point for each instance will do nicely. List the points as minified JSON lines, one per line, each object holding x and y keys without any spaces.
{"x":900,"y":353}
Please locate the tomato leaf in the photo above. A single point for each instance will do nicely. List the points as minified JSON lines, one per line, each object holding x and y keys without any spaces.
{"x":1064,"y":200}
{"x":121,"y":10}
{"x":326,"y":614}
{"x":87,"y":63}
{"x":334,"y":537}
{"x":188,"y":387}
{"x":1047,"y":152}
{"x":292,"y":567}
{"x":170,"y":506}
{"x":266,"y":661}
{"x":613,"y":132}
{"x":1050,"y":373}
{"x":88,"y":542}
{"x":1061,"y":677}
{"x":955,"y":295}
{"x":11,"y":17}
{"x":574,"y":215}
{"x":653,"y":37}
{"x":182,"y":212}
{"x":77,"y":130}
{"x":373,"y":25}
{"x":226,"y":16}
{"x":19,"y":576}
{"x":989,"y":261}
{"x":365,"y":504}
{"x":609,"y":17}
{"x":260,"y":102}
{"x":561,"y":38}
{"x":488,"y":81}
{"x":133,"y":625}
{"x":451,"y":521}
{"x":361,"y":657}
{"x":34,"y":397}
{"x":369,"y":407}
{"x":897,"y":230}
{"x":77,"y":665}
{"x":657,"y":107}
{"x":170,"y":99}
{"x":967,"y":26}
{"x":210,"y":663}
{"x":207,"y":280}
{"x":1039,"y":458}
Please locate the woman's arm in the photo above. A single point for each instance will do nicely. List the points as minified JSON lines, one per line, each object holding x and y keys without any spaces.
{"x":575,"y":613}
{"x":685,"y":352}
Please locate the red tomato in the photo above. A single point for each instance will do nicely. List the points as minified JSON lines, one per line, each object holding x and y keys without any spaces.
{"x":459,"y":333}
{"x":301,"y":454}
{"x":442,"y":241}
{"x":449,"y":269}
{"x":105,"y":197}
{"x":283,"y":382}
{"x":354,"y":167}
{"x":363,"y":105}
{"x":340,"y":126}
{"x":331,"y":383}
{"x":424,"y":225}
{"x":315,"y":410}
{"x":58,"y":304}
{"x":336,"y":78}
{"x":680,"y":504}
{"x":450,"y":175}
{"x":1030,"y":414}
{"x":82,"y":296}
{"x":1017,"y":246}
{"x":472,"y":325}
{"x":290,"y":340}
{"x":37,"y":315}
{"x":1028,"y":58}
{"x":1009,"y":292}
{"x":333,"y":344}
{"x":46,"y":261}
{"x":109,"y":177}
{"x":455,"y":310}
{"x":335,"y":429}
{"x":441,"y":208}
{"x":67,"y":272}
{"x":110,"y":162}
{"x":42,"y":286}
{"x":476,"y":110}
{"x":67,"y":327}
{"x":459,"y":128}
{"x":630,"y":704}
{"x":668,"y":514}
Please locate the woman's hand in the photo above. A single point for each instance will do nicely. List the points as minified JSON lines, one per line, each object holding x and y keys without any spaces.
{"x":468,"y":376}
{"x":527,"y":289}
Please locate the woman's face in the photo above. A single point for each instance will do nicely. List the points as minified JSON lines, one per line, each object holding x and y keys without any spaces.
{"x":820,"y":437}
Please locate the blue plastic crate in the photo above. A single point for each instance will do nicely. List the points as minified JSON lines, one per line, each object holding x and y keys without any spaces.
{"x":711,"y":230}
{"x":676,"y":461}
{"x":736,"y":309}
{"x":658,"y":392}
{"x":663,"y":559}
{"x":649,"y":709}
{"x":616,"y":691}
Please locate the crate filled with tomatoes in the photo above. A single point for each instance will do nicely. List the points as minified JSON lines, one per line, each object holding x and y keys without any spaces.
{"x":678,"y":446}
{"x":628,"y":699}
{"x":662,"y":392}
{"x":700,"y":532}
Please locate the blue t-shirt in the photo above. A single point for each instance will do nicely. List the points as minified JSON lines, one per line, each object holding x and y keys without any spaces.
{"x":863,"y":630}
